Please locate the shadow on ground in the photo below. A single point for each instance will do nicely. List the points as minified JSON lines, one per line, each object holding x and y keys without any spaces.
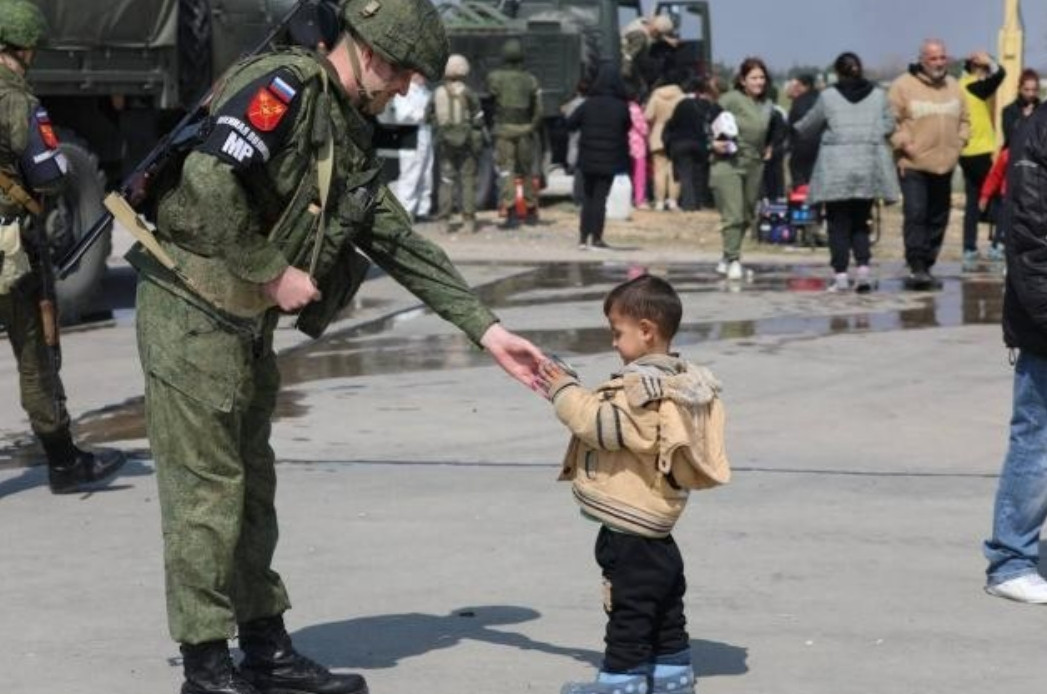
{"x":383,"y":641}
{"x":36,"y":476}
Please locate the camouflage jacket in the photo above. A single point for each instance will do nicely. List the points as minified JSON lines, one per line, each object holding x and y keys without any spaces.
{"x":517,"y":101}
{"x":29,"y":151}
{"x":246,"y":205}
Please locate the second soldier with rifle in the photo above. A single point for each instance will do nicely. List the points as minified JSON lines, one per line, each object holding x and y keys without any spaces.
{"x":267,"y":216}
{"x":32,"y":167}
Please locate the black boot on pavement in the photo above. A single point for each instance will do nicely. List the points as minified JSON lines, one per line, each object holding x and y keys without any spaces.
{"x":68,"y":467}
{"x":511,"y":221}
{"x":273,"y":666}
{"x":209,"y":670}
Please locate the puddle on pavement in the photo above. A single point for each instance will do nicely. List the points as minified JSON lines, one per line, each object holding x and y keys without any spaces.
{"x":972,"y":300}
{"x":976,"y":299}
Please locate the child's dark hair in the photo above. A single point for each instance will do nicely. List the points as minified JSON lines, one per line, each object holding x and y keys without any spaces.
{"x":647,"y":298}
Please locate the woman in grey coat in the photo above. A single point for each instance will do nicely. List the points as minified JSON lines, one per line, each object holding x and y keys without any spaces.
{"x":854,"y":166}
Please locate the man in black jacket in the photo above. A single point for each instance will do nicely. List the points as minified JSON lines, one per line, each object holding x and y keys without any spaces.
{"x":1021,"y":498}
{"x":803,"y":149}
{"x":686,"y":140}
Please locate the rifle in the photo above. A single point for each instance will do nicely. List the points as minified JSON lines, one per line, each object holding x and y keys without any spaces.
{"x":40,"y":259}
{"x":186,"y":133}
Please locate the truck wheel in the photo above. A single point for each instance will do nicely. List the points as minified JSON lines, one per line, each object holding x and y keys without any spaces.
{"x":67,"y":218}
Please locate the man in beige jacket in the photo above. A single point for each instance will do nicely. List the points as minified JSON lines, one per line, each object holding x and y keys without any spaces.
{"x":932,"y":127}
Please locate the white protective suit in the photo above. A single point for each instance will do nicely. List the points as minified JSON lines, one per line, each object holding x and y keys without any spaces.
{"x":414,"y":187}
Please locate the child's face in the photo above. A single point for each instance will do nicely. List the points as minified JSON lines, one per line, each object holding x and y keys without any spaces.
{"x":631,"y":338}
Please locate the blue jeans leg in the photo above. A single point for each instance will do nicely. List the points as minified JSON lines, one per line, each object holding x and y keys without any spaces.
{"x":1021,"y":498}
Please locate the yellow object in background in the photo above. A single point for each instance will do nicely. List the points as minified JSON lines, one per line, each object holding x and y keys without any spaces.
{"x":1011,"y":51}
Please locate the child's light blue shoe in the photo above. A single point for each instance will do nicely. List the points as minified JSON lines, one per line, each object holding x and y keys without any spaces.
{"x":673,"y":674}
{"x":609,"y":683}
{"x":674,"y":679}
{"x":997,"y":254}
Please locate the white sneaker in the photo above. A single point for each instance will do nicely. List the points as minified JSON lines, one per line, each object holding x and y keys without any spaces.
{"x":840,"y":283}
{"x":863,"y":283}
{"x":735,"y":271}
{"x":721,"y":267}
{"x":1029,"y":588}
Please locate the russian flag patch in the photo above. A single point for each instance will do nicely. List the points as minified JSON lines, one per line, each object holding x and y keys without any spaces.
{"x":283,"y":91}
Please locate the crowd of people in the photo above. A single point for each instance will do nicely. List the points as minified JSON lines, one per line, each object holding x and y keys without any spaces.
{"x":689,"y":143}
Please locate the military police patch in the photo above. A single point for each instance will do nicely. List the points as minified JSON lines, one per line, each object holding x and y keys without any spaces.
{"x":265,"y":110}
{"x":254,"y":122}
{"x":42,"y":162}
{"x":47,"y":133}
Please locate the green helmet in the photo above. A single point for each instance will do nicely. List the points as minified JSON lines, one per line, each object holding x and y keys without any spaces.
{"x":22,"y":24}
{"x":512,"y":51}
{"x":406,"y":33}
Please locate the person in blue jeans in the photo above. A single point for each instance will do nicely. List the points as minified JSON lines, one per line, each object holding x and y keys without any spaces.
{"x":1021,"y":498}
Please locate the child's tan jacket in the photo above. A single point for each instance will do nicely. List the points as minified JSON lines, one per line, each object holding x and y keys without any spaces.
{"x":641,"y":441}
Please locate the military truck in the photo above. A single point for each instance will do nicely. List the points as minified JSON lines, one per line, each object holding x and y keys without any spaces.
{"x":115,"y":76}
{"x":564,"y":42}
{"x":118,"y":74}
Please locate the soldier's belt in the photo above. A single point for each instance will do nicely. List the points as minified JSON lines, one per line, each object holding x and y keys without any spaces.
{"x":207,"y":278}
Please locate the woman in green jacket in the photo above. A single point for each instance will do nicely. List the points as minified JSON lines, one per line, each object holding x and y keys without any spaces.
{"x":738,"y":164}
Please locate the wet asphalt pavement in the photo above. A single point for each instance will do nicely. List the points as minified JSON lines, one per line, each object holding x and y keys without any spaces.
{"x":425,"y":541}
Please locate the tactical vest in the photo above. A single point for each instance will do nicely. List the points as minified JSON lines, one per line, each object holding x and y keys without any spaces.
{"x":514,"y":96}
{"x":286,"y":192}
{"x":453,"y":119}
{"x":40,"y":166}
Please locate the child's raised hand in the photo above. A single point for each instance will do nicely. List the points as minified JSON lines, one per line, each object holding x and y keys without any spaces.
{"x":548,"y":373}
{"x":554,"y":374}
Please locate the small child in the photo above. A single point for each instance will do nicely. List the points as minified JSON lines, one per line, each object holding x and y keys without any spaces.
{"x":639,"y":443}
{"x":638,"y":131}
{"x":995,"y":189}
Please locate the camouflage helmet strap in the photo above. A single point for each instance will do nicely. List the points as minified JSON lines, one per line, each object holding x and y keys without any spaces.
{"x":354,"y":64}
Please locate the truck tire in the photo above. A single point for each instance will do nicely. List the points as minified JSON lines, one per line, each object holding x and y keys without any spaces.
{"x":67,"y":218}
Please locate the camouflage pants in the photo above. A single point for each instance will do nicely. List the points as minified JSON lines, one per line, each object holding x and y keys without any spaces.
{"x":457,"y":173}
{"x":514,"y":156}
{"x":43,"y":397}
{"x":209,"y":398}
{"x":736,"y":190}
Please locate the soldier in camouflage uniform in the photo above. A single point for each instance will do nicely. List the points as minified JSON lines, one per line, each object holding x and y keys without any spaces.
{"x":254,"y":231}
{"x":517,"y":117}
{"x":33,"y":166}
{"x":458,"y":122}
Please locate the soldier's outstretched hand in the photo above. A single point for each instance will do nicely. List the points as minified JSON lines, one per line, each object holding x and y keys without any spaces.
{"x":292,"y":290}
{"x":517,"y":356}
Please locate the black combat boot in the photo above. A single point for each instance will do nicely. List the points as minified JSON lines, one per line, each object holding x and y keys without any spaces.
{"x":532,"y":217}
{"x":68,"y":467}
{"x":209,"y":670}
{"x":273,"y":666}
{"x":511,"y":221}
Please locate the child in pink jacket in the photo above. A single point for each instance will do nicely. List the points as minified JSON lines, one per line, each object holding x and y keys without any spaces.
{"x":638,"y":153}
